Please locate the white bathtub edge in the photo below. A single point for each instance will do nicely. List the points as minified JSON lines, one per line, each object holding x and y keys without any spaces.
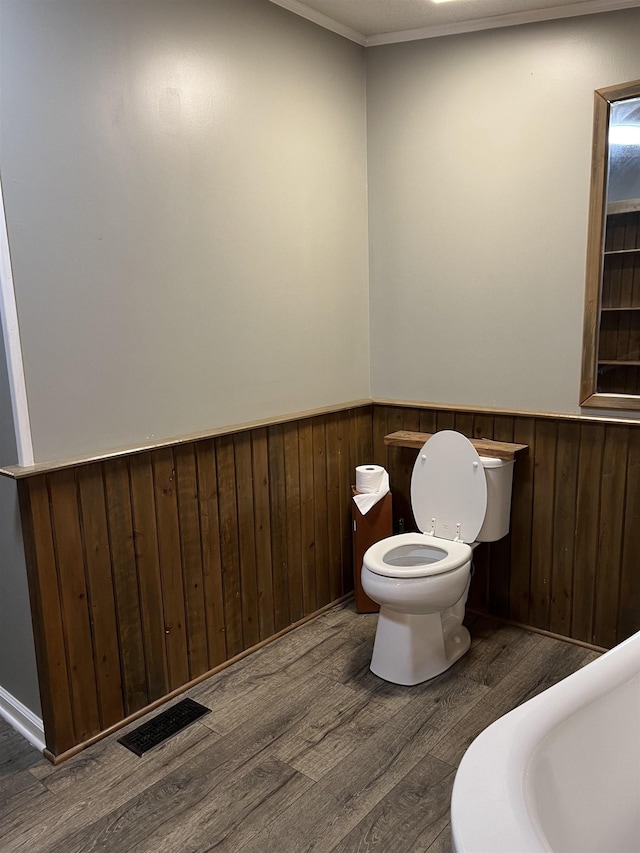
{"x":492,"y":775}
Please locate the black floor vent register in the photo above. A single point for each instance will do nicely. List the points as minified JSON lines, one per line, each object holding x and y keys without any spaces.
{"x":164,"y":726}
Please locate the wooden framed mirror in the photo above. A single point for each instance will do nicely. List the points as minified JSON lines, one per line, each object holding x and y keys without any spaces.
{"x":611,"y":340}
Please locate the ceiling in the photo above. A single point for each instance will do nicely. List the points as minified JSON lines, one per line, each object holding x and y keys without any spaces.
{"x":370,"y":22}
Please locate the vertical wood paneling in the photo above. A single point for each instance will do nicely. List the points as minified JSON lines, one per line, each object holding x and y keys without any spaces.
{"x":411,"y":420}
{"x":365,"y":433}
{"x":542,"y":520}
{"x":503,"y":426}
{"x":428,"y":421}
{"x":483,"y":426}
{"x":170,"y":567}
{"x":334,"y":517}
{"x":346,"y":474}
{"x":278,"y":510}
{"x":401,"y":461}
{"x":147,"y":572}
{"x":473,"y":425}
{"x":246,"y":540}
{"x":395,"y":418}
{"x":229,"y":550}
{"x":629,"y":607}
{"x":104,"y":623}
{"x":125,"y":584}
{"x":568,"y":563}
{"x":500,"y":552}
{"x":262,"y":518}
{"x":74,"y":600}
{"x":210,"y":542}
{"x":564,"y":525}
{"x":445,"y":420}
{"x":521,"y":523}
{"x":148,"y":566}
{"x":380,"y":429}
{"x":222,"y":542}
{"x":48,"y":630}
{"x":191,"y":559}
{"x":463,"y":422}
{"x":321,"y":525}
{"x":406,"y":460}
{"x":293,"y":519}
{"x":307,"y":516}
{"x":587,"y":524}
{"x":360,"y":452}
{"x":612,"y":496}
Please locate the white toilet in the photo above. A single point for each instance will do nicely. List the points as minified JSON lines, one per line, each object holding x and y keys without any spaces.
{"x":421,"y":580}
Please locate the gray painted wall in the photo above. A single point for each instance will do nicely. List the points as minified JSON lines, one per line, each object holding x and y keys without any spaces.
{"x":185,"y":188}
{"x":18,"y":675}
{"x":479,"y":168}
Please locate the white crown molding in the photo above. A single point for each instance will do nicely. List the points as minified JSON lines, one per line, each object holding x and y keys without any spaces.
{"x":512,"y":19}
{"x":22,"y":719}
{"x":322,"y":20}
{"x":590,"y":7}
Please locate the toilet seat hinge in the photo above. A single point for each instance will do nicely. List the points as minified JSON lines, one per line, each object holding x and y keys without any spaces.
{"x":432,"y":532}
{"x":457,"y":539}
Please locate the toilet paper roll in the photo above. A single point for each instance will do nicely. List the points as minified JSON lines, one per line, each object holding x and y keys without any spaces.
{"x":369,"y":478}
{"x":372,"y":481}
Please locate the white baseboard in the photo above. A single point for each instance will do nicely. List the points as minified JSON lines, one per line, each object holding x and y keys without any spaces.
{"x":22,"y":719}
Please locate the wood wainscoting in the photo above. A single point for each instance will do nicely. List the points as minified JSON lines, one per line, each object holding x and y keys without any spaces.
{"x":571,"y":563}
{"x":148,"y":570}
{"x":151,"y":568}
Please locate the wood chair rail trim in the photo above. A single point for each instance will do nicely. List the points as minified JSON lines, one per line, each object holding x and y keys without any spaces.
{"x":604,"y":401}
{"x":21,"y":472}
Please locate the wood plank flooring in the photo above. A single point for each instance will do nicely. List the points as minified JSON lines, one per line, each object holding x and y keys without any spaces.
{"x":304,"y":749}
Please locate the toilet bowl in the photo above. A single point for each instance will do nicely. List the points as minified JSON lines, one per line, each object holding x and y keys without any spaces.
{"x":421,"y":580}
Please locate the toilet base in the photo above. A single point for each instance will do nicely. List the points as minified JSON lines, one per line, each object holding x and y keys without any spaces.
{"x":410,"y":648}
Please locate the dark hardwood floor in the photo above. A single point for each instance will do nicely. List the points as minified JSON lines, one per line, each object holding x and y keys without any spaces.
{"x":304,"y":749}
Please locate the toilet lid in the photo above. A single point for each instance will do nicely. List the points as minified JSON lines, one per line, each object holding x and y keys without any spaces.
{"x":449,"y":488}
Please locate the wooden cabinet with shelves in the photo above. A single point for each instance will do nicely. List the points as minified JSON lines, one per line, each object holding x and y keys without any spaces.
{"x":610,"y":375}
{"x":619,"y":329}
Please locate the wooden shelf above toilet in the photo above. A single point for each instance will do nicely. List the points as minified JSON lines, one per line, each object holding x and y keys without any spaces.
{"x":484,"y":446}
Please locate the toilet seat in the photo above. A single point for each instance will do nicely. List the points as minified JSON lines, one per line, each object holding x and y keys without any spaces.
{"x":449,"y":488}
{"x":415,"y":555}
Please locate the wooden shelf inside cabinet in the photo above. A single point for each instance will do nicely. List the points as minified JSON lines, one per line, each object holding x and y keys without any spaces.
{"x":627,"y":205}
{"x":617,"y":364}
{"x":610,"y":378}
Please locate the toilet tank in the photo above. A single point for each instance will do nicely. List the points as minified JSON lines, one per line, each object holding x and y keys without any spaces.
{"x":499,"y":476}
